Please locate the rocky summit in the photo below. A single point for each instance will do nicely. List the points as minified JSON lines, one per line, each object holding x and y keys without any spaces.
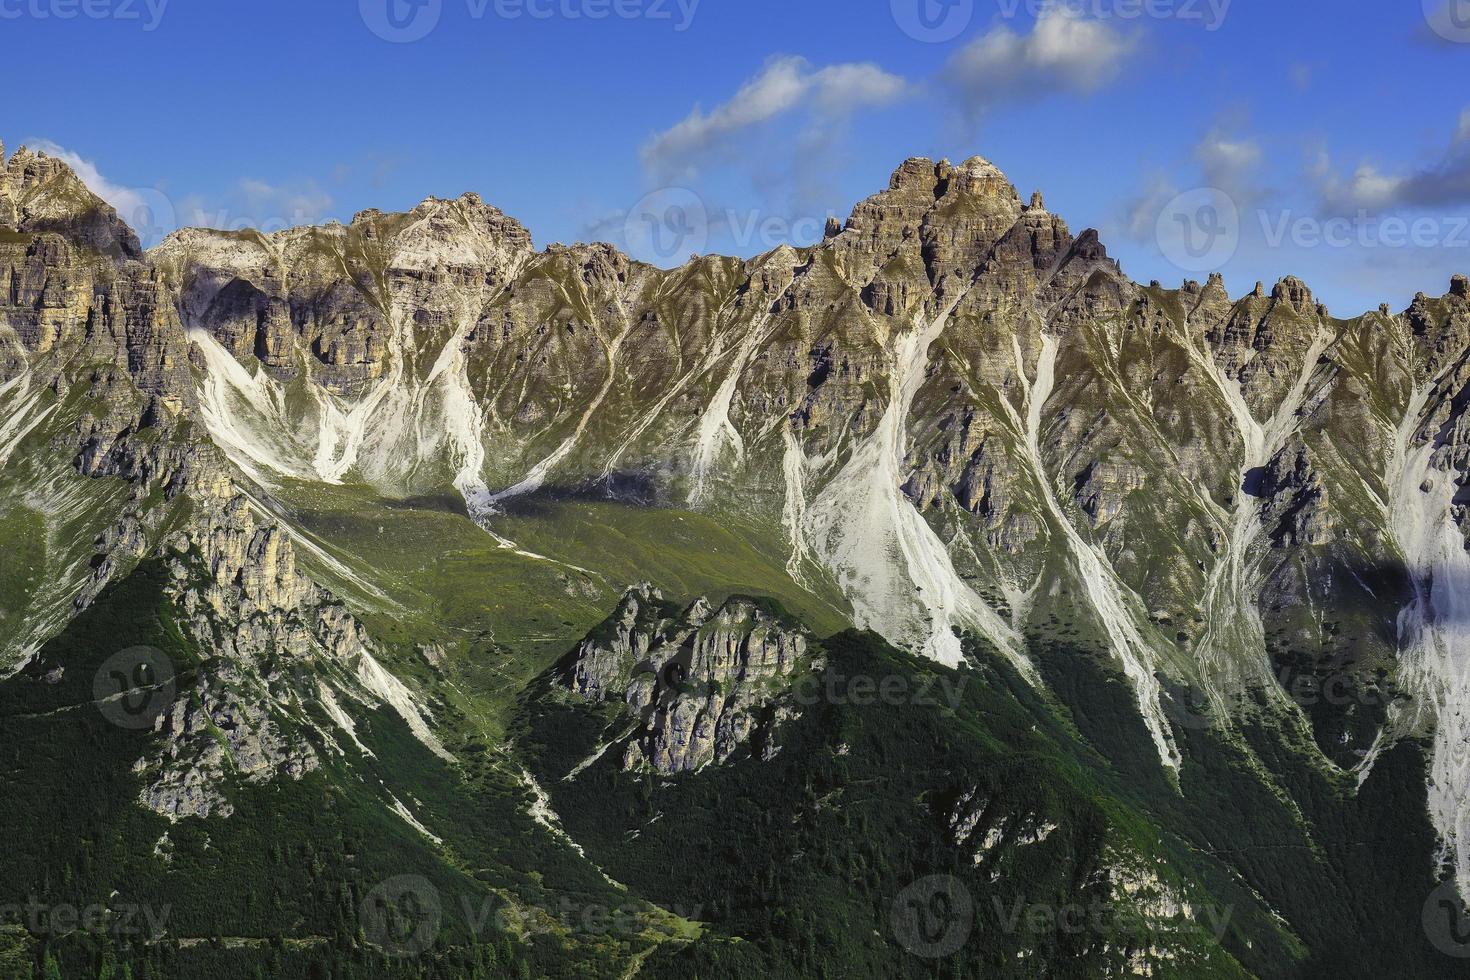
{"x":972,"y":573}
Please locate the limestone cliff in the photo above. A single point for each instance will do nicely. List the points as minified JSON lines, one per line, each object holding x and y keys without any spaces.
{"x":701,"y":683}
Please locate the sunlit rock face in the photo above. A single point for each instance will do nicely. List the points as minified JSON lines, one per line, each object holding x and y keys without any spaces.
{"x":957,"y":412}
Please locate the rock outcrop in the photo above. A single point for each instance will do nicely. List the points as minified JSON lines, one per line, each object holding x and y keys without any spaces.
{"x":40,"y":194}
{"x":703,"y":683}
{"x":101,"y":331}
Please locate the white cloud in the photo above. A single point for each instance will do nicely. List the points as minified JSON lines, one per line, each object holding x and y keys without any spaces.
{"x":1064,"y":53}
{"x":1141,"y":217}
{"x":1232,"y":164}
{"x":1443,"y":184}
{"x":1227,"y":162}
{"x":250,"y":203}
{"x":302,"y":203}
{"x":786,"y":85}
{"x":1366,"y":188}
{"x":253,"y":203}
{"x":134,"y":205}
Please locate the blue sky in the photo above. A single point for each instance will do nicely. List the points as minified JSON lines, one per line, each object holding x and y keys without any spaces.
{"x":1307,"y":138}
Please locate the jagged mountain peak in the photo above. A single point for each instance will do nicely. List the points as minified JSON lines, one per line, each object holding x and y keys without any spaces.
{"x":461,"y":225}
{"x":41,"y":193}
{"x":976,"y":177}
{"x":953,"y":212}
{"x":1297,"y":295}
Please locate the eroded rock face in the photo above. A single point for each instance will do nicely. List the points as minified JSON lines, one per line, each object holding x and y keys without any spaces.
{"x":703,"y":683}
{"x":956,"y":409}
{"x":40,"y":194}
{"x":274,"y":647}
{"x":338,"y":302}
{"x":420,"y":351}
{"x":102,"y":349}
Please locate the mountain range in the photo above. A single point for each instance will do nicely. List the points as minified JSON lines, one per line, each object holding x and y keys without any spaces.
{"x":396,"y":599}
